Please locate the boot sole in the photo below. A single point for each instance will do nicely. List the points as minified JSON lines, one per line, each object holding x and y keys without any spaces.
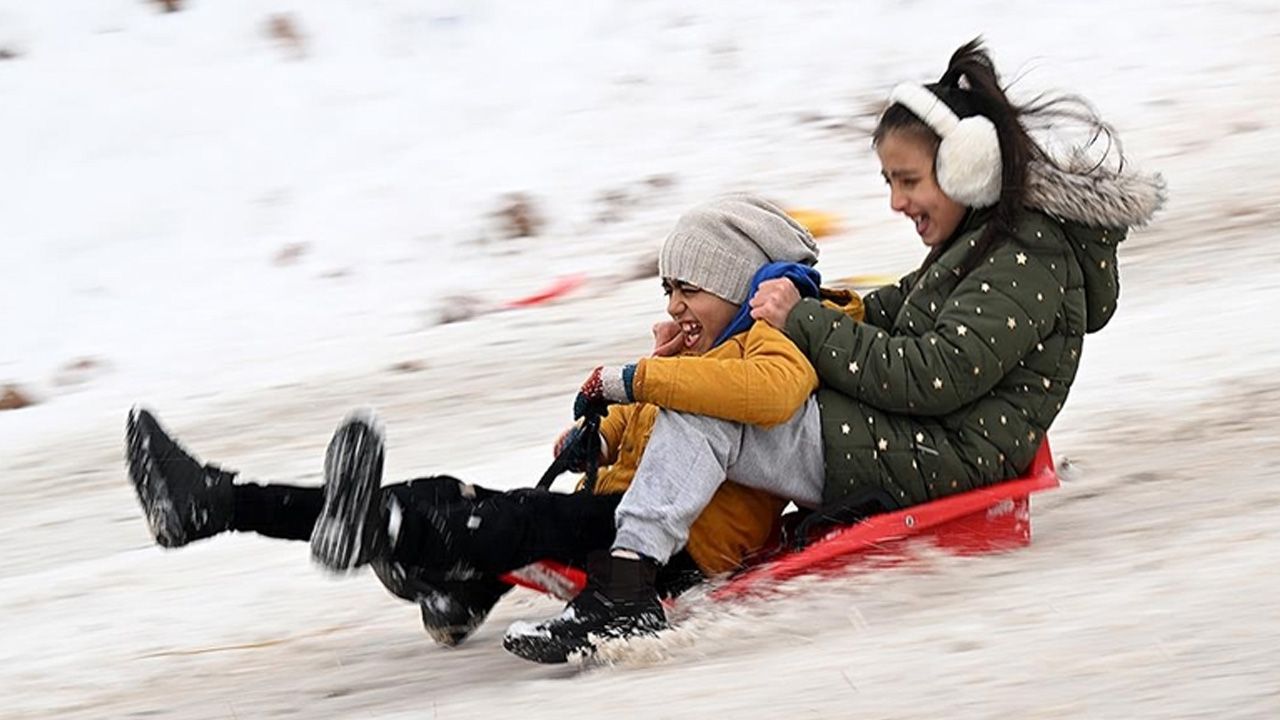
{"x":148,"y":483}
{"x":540,"y":649}
{"x":343,"y":536}
{"x":540,"y":645}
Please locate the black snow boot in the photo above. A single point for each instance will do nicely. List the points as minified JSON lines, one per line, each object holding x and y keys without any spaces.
{"x":455,"y":609}
{"x":182,"y":499}
{"x":451,"y":609}
{"x":428,"y":513}
{"x":618,"y":602}
{"x":351,"y":529}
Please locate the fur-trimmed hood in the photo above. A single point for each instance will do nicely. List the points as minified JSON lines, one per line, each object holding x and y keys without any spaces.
{"x":1096,"y":207}
{"x":1098,"y":197}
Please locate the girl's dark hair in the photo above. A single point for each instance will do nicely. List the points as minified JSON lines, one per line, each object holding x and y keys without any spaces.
{"x":971,"y":86}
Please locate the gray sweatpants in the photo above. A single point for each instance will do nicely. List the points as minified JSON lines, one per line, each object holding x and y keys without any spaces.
{"x":689,"y":456}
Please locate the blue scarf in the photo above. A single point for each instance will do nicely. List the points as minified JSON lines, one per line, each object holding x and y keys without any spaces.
{"x":805,"y":278}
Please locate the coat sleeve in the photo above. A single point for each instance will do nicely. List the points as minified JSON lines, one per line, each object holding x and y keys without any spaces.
{"x":988,"y":323}
{"x":882,"y":305}
{"x":846,"y":301}
{"x":765,"y":386}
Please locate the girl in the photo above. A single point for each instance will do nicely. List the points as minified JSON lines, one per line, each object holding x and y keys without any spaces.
{"x":957,"y":371}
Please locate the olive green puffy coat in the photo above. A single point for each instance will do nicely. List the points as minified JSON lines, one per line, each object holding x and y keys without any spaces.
{"x":951,"y":382}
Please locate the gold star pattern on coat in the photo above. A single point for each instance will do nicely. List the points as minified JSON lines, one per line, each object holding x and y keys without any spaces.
{"x":853,"y":367}
{"x":1006,"y":374}
{"x":844,"y":428}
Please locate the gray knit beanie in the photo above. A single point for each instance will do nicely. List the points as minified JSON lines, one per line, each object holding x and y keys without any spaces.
{"x":718,"y":246}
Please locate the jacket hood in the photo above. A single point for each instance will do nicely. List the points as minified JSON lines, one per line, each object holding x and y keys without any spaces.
{"x":1079,"y":192}
{"x":1097,"y":206}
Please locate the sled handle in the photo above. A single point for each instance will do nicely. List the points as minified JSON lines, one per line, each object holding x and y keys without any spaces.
{"x":588,"y":438}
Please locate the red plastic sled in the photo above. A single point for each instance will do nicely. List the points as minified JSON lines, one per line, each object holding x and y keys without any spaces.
{"x":990,"y":519}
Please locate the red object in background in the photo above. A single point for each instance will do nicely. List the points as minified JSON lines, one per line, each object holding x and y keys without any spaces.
{"x":554,"y":290}
{"x":990,"y":519}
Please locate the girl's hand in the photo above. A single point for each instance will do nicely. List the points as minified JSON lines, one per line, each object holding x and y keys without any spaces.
{"x":774,"y":301}
{"x":668,"y":340}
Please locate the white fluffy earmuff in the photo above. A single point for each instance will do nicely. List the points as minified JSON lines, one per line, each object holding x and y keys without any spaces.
{"x":968,"y":163}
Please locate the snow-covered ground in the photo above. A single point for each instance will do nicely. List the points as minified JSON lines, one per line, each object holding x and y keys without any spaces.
{"x":254,"y":235}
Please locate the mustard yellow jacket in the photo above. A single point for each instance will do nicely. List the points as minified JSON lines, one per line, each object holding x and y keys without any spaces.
{"x":757,"y":377}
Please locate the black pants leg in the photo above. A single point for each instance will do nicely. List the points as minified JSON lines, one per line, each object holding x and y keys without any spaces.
{"x":453,"y":531}
{"x":497,"y":532}
{"x":500,"y":532}
{"x":287,"y":512}
{"x":445,"y":522}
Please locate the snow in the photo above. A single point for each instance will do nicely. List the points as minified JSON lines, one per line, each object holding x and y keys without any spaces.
{"x":247,"y":236}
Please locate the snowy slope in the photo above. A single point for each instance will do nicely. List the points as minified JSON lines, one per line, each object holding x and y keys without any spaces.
{"x":249,"y":234}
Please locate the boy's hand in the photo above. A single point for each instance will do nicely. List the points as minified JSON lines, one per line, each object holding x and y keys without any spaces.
{"x":668,"y":339}
{"x":604,"y":387}
{"x":773,"y":302}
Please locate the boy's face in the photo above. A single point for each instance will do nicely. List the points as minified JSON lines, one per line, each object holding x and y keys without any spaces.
{"x":701,"y":315}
